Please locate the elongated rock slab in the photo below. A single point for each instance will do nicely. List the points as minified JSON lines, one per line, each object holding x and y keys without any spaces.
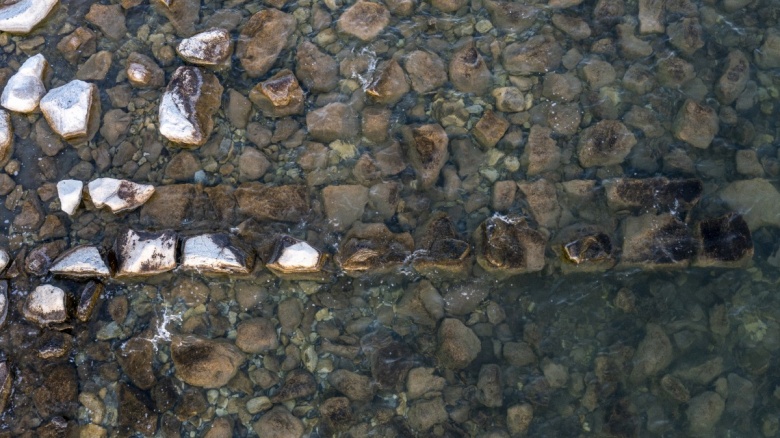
{"x":73,"y":110}
{"x":23,"y":16}
{"x":215,"y":253}
{"x":188,"y":105}
{"x":24,"y":90}
{"x":69,"y":192}
{"x":141,"y":254}
{"x":118,"y":195}
{"x":46,"y":305}
{"x":80,"y":262}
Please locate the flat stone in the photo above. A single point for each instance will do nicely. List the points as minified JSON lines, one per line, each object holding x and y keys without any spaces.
{"x":183,"y":14}
{"x":606,"y":143}
{"x":88,"y":299}
{"x":110,"y":19}
{"x":468,"y":71}
{"x":257,"y":335}
{"x":22,"y":16}
{"x":80,"y":262}
{"x":489,"y":129}
{"x":6,"y":384}
{"x":205,"y":363}
{"x":344,"y":204}
{"x":584,"y":248}
{"x":426,"y":70}
{"x":46,"y":305}
{"x":188,"y":106}
{"x":696,"y":124}
{"x":335,"y":121}
{"x":538,"y":54}
{"x":213,"y":47}
{"x":73,"y":110}
{"x":215,"y":253}
{"x":262,"y":39}
{"x":440,"y":250}
{"x":316,"y":70}
{"x":279,"y":423}
{"x":141,"y":254}
{"x":69,"y":192}
{"x":724,"y":242}
{"x":511,"y":16}
{"x":508,"y":246}
{"x":295,"y":258}
{"x":96,"y":67}
{"x":660,"y":194}
{"x":289,"y":203}
{"x":279,"y":96}
{"x":656,"y":241}
{"x":118,"y":195}
{"x":24,"y":90}
{"x":364,"y":20}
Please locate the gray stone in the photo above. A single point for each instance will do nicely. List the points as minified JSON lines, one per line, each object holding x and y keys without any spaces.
{"x":428,"y":151}
{"x":335,"y":121}
{"x":344,"y":204}
{"x":538,"y":54}
{"x":606,"y":143}
{"x":757,"y":200}
{"x":653,"y":354}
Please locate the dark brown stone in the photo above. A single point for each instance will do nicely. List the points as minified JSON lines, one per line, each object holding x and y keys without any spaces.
{"x":262,"y":39}
{"x":267,"y":203}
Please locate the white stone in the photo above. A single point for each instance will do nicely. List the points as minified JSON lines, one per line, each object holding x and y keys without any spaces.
{"x":3,"y":302}
{"x":24,"y":15}
{"x":142,"y":254}
{"x":209,"y":48}
{"x":4,"y":259}
{"x":80,"y":262}
{"x":46,"y":305}
{"x":69,"y":191}
{"x":214,"y":253}
{"x":67,"y":108}
{"x":24,"y":90}
{"x":300,"y":256}
{"x":6,"y":135}
{"x":118,"y":195}
{"x":188,"y":105}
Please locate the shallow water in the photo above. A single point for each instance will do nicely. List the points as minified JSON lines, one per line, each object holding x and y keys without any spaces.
{"x":646,"y":338}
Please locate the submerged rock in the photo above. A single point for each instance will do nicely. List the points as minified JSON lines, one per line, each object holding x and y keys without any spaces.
{"x":46,"y":305}
{"x":427,"y":71}
{"x":373,"y":249}
{"x":317,"y":71}
{"x":389,"y":84}
{"x":215,"y":253}
{"x":468,"y":71}
{"x":118,"y":195}
{"x":279,"y":423}
{"x":279,"y":96}
{"x":364,"y":20}
{"x":656,"y":241}
{"x":22,"y":16}
{"x":73,"y":110}
{"x":140,"y":253}
{"x":440,"y":250}
{"x":508,"y":246}
{"x":512,"y":16}
{"x":6,"y":384}
{"x":489,"y":129}
{"x":213,"y":47}
{"x":458,"y":345}
{"x":334,"y":121}
{"x":69,"y":192}
{"x":288,"y":203}
{"x":427,"y":147}
{"x":344,"y":204}
{"x":538,"y":54}
{"x":659,"y":195}
{"x":584,"y":248}
{"x":296,"y":259}
{"x":262,"y":39}
{"x":205,"y":363}
{"x":696,"y":124}
{"x":724,"y":242}
{"x":4,"y":259}
{"x":79,"y":262}
{"x":606,"y":143}
{"x":88,"y":298}
{"x":188,"y":106}
{"x":24,"y":90}
{"x":3,"y":305}
{"x":756,"y":199}
{"x":734,"y":79}
{"x":183,"y":14}
{"x":143,"y":72}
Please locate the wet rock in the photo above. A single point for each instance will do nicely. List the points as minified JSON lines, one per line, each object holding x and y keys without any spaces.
{"x":40,"y":259}
{"x":46,"y":305}
{"x":507,"y":245}
{"x":511,"y":17}
{"x":458,"y":346}
{"x":490,"y":386}
{"x":653,"y":354}
{"x":4,"y":259}
{"x":266,"y":203}
{"x":542,"y":201}
{"x":317,"y":71}
{"x":252,"y":164}
{"x":213,"y":47}
{"x":364,"y":20}
{"x":441,"y":251}
{"x":606,"y":143}
{"x":427,"y":148}
{"x":279,"y":96}
{"x":424,"y":414}
{"x":73,"y":110}
{"x":519,"y":417}
{"x":585,"y":248}
{"x":3,"y":313}
{"x":136,"y":412}
{"x":22,"y":16}
{"x":136,"y":357}
{"x":724,"y":242}
{"x":171,"y":205}
{"x":422,"y":303}
{"x":297,"y":384}
{"x":57,"y":391}
{"x":421,"y":381}
{"x":295,"y":259}
{"x":115,"y":125}
{"x":221,"y":427}
{"x":335,"y":121}
{"x":336,"y":413}
{"x":24,"y":90}
{"x":145,"y":253}
{"x":660,"y":195}
{"x":79,"y":43}
{"x":538,"y":54}
{"x":672,"y":72}
{"x":696,"y":124}
{"x":576,"y":28}
{"x":768,"y":55}
{"x":183,"y":14}
{"x":80,"y":262}
{"x":468,"y":71}
{"x":503,"y":195}
{"x":741,"y":394}
{"x":373,"y":249}
{"x":188,"y":106}
{"x":704,"y":412}
{"x":278,"y":423}
{"x":110,"y":19}
{"x":88,"y":298}
{"x":262,"y":39}
{"x":6,"y":137}
{"x":509,"y":99}
{"x":356,"y":387}
{"x":448,"y":5}
{"x":143,"y":72}
{"x":489,"y":129}
{"x":96,"y":67}
{"x":645,"y":120}
{"x":257,"y":335}
{"x":561,"y":87}
{"x":656,"y":241}
{"x":6,"y":384}
{"x":675,"y":389}
{"x":426,"y":71}
{"x":598,"y":73}
{"x":31,"y":216}
{"x":118,"y":195}
{"x":757,"y":200}
{"x":389,"y":84}
{"x":344,"y":204}
{"x":541,"y":152}
{"x":686,"y":35}
{"x":651,"y":16}
{"x":735,"y":76}
{"x":205,"y":363}
{"x":182,"y":166}
{"x":215,"y":254}
{"x":238,"y":110}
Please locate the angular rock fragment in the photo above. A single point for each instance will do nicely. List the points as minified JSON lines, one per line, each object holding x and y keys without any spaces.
{"x":3,"y":304}
{"x":651,"y":16}
{"x":262,"y":39}
{"x":468,"y":71}
{"x":279,"y":423}
{"x":584,"y":248}
{"x":118,"y":195}
{"x":295,"y":259}
{"x":215,"y":253}
{"x":96,"y":67}
{"x":659,"y":195}
{"x":344,"y":204}
{"x":4,"y":259}
{"x":735,"y":76}
{"x":80,"y":262}
{"x":279,"y":96}
{"x":441,"y":252}
{"x":188,"y":106}
{"x":24,"y":90}
{"x":389,"y":84}
{"x":373,"y":249}
{"x":317,"y":71}
{"x":768,"y":55}
{"x":606,"y":143}
{"x":143,"y":72}
{"x":696,"y":124}
{"x":542,"y":200}
{"x":69,"y":192}
{"x":489,"y":129}
{"x":46,"y":305}
{"x":23,"y":15}
{"x":364,"y":20}
{"x":88,"y":298}
{"x":73,"y":110}
{"x":211,"y":48}
{"x":542,"y":151}
{"x":110,"y":19}
{"x":724,"y":242}
{"x":428,"y":151}
{"x":334,"y":121}
{"x":205,"y":363}
{"x":656,"y":241}
{"x":140,"y":253}
{"x":426,"y":71}
{"x":538,"y":54}
{"x":79,"y":43}
{"x":508,"y":246}
{"x":686,"y":35}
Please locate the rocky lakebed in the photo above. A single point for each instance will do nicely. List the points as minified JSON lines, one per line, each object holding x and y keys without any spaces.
{"x":389,"y":218}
